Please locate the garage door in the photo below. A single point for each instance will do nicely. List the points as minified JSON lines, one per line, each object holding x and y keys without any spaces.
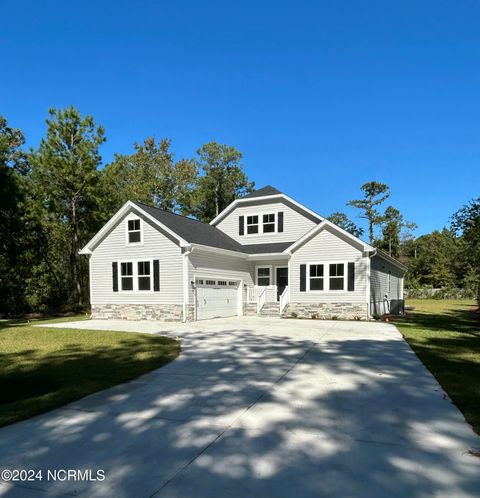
{"x":216,"y":298}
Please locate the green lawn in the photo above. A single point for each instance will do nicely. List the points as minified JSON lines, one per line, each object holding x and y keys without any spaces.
{"x":446,"y":337}
{"x":44,"y":368}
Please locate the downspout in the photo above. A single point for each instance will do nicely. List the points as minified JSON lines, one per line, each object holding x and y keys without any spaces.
{"x":186,"y":288}
{"x":369,"y":282}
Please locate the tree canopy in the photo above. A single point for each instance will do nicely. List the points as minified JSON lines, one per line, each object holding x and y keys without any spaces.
{"x":222,"y":180}
{"x":374,"y":194}
{"x":342,"y":220}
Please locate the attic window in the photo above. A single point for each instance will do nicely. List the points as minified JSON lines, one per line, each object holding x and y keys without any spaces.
{"x":268,"y":223}
{"x":134,"y":231}
{"x":252,"y":224}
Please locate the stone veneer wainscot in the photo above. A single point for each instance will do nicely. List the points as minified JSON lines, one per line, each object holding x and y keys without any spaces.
{"x":164,"y":312}
{"x":343,"y":311}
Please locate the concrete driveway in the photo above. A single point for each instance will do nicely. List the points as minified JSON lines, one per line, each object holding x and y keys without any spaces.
{"x":258,"y":407}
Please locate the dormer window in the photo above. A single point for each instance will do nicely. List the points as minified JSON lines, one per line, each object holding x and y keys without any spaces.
{"x":134,"y":231}
{"x":260,"y":224}
{"x":252,"y":224}
{"x":268,"y":223}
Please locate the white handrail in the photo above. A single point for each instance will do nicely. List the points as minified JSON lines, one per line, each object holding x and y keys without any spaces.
{"x":283,"y":300}
{"x":262,"y":297}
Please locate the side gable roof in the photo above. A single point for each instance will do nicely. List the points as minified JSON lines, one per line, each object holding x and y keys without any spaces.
{"x":184,"y":230}
{"x":193,"y":231}
{"x":390,"y":259}
{"x":321,"y":226}
{"x":267,"y":193}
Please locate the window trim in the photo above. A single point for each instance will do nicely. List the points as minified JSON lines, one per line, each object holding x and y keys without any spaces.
{"x":270,"y":275}
{"x":252,"y":225}
{"x":260,"y":215}
{"x":135,"y":275}
{"x":326,"y":277}
{"x":308,"y":277}
{"x":127,"y":232}
{"x":120,"y":276}
{"x":274,"y":222}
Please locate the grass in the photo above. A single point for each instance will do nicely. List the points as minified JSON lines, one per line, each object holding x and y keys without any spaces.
{"x":445,"y":335}
{"x":44,"y":368}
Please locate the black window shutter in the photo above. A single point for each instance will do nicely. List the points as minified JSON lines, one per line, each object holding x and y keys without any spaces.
{"x":280,"y":221}
{"x":156,"y":275}
{"x":303,"y":278}
{"x":351,"y":276}
{"x":241,"y":221}
{"x":115,"y":276}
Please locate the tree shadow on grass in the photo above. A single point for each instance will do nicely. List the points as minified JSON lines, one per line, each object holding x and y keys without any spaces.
{"x":243,"y":414}
{"x":33,"y":380}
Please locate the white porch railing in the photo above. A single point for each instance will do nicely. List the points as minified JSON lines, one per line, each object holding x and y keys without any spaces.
{"x":284,"y":299}
{"x":254,"y":292}
{"x":262,"y":297}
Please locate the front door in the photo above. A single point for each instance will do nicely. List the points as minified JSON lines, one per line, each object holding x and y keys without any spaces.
{"x":282,"y":280}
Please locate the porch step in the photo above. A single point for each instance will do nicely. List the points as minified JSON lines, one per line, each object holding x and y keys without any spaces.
{"x":270,"y":309}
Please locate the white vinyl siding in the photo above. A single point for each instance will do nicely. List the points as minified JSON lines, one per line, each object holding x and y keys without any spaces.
{"x":210,"y":264}
{"x":155,"y":246}
{"x":295,"y":224}
{"x":328,"y":247}
{"x":381,"y":272}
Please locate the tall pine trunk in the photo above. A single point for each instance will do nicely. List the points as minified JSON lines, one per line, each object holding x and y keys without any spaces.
{"x":75,"y":257}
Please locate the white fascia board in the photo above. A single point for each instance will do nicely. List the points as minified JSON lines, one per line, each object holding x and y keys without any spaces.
{"x":129,"y":205}
{"x":390,"y":259}
{"x":217,"y":250}
{"x":270,"y":255}
{"x":267,"y":197}
{"x":321,"y":226}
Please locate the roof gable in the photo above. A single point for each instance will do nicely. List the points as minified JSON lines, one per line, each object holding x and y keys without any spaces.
{"x":334,"y":228}
{"x":262,"y":192}
{"x":191,"y":230}
{"x":182,"y":230}
{"x":264,"y":196}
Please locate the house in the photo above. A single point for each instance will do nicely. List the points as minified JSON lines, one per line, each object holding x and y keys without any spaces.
{"x":264,"y":254}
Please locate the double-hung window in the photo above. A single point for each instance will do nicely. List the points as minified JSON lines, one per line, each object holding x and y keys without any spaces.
{"x":144,"y":276}
{"x":316,"y":277}
{"x":337,"y":277}
{"x":136,"y":276}
{"x":134,"y":231}
{"x":268,"y":223}
{"x":252,"y":224}
{"x":263,"y":276}
{"x":126,"y":276}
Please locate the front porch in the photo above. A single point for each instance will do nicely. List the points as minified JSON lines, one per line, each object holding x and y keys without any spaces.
{"x":269,"y":295}
{"x":270,"y":300}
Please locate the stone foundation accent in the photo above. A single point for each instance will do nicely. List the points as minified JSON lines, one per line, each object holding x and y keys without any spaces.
{"x":190,"y":313}
{"x":250,"y":309}
{"x":163,"y":312}
{"x":328,"y":311}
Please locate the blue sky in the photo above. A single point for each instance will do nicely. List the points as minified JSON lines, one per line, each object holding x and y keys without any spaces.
{"x":320,"y":96}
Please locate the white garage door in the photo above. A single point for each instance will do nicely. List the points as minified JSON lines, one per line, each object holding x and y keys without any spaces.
{"x":216,"y":298}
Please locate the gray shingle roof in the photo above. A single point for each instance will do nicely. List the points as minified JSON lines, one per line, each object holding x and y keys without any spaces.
{"x":193,"y":231}
{"x":262,"y":192}
{"x":266,"y":248}
{"x":197,"y":232}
